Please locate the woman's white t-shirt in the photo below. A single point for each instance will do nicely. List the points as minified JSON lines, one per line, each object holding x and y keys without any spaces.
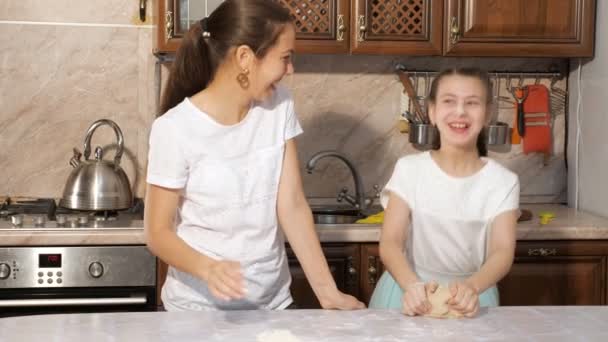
{"x":451,"y":217}
{"x":230,"y":177}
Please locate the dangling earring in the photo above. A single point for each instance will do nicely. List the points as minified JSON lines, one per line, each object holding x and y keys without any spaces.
{"x":243,"y":79}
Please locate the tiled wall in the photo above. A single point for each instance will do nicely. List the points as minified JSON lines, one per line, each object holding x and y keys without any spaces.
{"x":352,"y":104}
{"x":67,"y":64}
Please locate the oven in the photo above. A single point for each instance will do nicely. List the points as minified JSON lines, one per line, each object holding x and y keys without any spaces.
{"x":76,"y":279}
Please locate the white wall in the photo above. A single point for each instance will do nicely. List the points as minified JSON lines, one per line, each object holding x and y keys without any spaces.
{"x":588,"y":115}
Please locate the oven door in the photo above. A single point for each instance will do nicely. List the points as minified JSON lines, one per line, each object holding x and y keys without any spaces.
{"x":17,"y":302}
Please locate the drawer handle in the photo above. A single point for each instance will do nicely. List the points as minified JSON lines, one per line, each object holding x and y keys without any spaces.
{"x":542,"y":251}
{"x":372,"y":270}
{"x":341,"y":27}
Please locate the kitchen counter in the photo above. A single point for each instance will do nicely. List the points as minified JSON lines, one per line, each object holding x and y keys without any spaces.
{"x":575,"y":323}
{"x":568,"y":224}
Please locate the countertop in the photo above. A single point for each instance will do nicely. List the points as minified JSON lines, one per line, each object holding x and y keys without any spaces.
{"x":574,"y":323}
{"x":568,"y":224}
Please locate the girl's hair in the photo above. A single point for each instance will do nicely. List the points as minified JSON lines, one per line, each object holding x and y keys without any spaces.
{"x":255,"y":23}
{"x":469,"y":72}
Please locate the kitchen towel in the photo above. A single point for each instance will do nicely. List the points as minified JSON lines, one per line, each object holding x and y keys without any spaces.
{"x":537,"y":119}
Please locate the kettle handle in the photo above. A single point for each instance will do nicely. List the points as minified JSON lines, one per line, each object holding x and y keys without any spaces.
{"x":119,"y":138}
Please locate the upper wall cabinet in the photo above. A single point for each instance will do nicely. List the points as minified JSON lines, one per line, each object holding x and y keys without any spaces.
{"x":174,"y":18}
{"x":526,"y":28}
{"x":533,"y":28}
{"x":367,"y":26}
{"x":321,"y":25}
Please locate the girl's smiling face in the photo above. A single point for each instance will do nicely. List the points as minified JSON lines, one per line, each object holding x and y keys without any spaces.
{"x":459,"y":110}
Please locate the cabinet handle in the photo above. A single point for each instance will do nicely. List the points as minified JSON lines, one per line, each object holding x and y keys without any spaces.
{"x":542,"y":251}
{"x":169,"y":24}
{"x":454,"y":31}
{"x":351,"y":278}
{"x":362,"y":28}
{"x":341,"y":27}
{"x":142,"y":10}
{"x":372,"y":270}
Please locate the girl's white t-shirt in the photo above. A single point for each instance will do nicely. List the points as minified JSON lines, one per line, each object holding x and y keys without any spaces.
{"x":230,"y":177}
{"x":451,"y":217}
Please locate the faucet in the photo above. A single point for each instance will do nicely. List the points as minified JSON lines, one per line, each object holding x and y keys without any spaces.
{"x":360,"y":202}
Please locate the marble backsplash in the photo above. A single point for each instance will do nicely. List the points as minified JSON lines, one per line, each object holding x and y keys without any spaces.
{"x":352,"y":104}
{"x":63,"y":67}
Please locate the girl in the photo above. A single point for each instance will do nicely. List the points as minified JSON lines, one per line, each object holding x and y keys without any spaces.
{"x":223,"y":169}
{"x":453,"y":210}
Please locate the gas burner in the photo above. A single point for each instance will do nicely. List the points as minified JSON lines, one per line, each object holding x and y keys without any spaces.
{"x":43,"y":214}
{"x":6,"y":214}
{"x":106,"y":215}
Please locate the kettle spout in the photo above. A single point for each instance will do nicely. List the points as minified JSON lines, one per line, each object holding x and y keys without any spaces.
{"x":75,"y":160}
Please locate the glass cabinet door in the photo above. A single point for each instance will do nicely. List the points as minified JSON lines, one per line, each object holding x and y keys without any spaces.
{"x":188,"y":12}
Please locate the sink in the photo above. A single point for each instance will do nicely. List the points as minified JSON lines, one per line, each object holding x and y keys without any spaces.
{"x":337,"y":214}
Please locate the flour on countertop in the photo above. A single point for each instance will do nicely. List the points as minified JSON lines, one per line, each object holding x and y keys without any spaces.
{"x":278,"y":335}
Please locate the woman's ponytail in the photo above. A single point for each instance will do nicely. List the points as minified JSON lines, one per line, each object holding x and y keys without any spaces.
{"x":191,"y":71}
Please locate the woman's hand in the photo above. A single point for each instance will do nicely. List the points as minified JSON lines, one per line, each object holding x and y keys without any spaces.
{"x":415,"y":301}
{"x":334,"y":299}
{"x":465,"y":298}
{"x":224,"y":280}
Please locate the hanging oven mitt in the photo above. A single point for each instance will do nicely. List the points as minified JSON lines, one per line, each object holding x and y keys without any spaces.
{"x":537,"y":118}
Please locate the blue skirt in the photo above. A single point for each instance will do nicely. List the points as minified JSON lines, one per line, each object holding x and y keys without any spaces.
{"x":388,"y":295}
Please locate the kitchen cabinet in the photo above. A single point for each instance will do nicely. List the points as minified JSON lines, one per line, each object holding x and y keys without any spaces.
{"x":173,"y":19}
{"x":322,"y":26}
{"x":161,"y":275}
{"x":544,"y":273}
{"x":343,"y":261}
{"x":367,"y":26}
{"x":529,"y":28}
{"x":371,"y":268}
{"x":557,"y":273}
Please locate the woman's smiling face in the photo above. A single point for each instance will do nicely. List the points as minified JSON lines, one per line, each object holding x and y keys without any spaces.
{"x":277,"y":63}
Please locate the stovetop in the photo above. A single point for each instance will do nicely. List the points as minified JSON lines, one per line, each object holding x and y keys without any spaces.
{"x":45,"y":214}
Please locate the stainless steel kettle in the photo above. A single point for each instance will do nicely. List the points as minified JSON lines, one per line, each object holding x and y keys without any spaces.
{"x":97,"y":184}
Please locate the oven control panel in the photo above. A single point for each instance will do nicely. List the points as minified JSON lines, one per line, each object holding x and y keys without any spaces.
{"x":78,"y":266}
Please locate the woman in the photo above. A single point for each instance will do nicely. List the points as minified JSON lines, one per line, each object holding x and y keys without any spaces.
{"x":223,"y":169}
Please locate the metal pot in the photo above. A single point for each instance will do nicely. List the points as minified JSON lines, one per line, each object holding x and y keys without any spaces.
{"x":497,"y":133}
{"x":97,"y":184}
{"x":423,"y":134}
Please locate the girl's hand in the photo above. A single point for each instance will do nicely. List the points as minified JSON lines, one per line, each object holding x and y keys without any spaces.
{"x":415,"y":301}
{"x":225,"y":281}
{"x":338,"y":300}
{"x":465,"y":298}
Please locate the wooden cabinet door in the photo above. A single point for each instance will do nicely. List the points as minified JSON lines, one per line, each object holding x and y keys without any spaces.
{"x":371,"y":270}
{"x":167,"y":39}
{"x":556,"y":273}
{"x":343,"y":261}
{"x":321,"y":25}
{"x":173,"y":20}
{"x":408,"y":27}
{"x":161,"y":276}
{"x":531,"y":28}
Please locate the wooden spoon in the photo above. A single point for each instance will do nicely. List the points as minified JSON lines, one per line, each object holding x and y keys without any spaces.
{"x":411,"y":93}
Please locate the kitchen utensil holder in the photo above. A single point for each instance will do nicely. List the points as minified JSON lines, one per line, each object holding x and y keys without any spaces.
{"x":422,"y":134}
{"x":497,"y":133}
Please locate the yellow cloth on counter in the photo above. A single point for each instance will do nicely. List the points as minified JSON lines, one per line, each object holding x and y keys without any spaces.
{"x":376,"y":218}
